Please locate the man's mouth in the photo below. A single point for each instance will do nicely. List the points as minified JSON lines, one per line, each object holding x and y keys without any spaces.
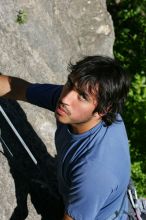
{"x":62,"y":110}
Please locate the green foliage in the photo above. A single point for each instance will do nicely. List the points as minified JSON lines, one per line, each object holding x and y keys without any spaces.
{"x":21,"y":17}
{"x":139,"y":177}
{"x":135,"y":117}
{"x":130,"y":48}
{"x":130,"y":28}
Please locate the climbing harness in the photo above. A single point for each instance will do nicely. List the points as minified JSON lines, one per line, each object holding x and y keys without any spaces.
{"x":137,"y":206}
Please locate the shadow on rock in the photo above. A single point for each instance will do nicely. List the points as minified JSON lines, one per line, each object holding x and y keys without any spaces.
{"x":37,"y":180}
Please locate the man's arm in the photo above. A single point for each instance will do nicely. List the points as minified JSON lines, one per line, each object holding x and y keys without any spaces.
{"x":13,"y":88}
{"x":66,"y":217}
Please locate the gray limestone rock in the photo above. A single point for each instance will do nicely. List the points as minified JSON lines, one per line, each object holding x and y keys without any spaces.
{"x":51,"y":34}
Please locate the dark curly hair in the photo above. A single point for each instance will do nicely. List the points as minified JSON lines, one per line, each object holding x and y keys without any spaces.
{"x":107,"y":78}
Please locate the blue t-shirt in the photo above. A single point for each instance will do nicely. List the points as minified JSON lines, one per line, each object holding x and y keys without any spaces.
{"x":93,"y":167}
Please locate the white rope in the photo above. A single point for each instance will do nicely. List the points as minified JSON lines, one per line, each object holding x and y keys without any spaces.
{"x":3,"y":142}
{"x":18,"y":135}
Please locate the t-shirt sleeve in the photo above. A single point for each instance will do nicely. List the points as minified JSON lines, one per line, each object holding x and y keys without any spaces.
{"x":88,"y":192}
{"x":44,"y":95}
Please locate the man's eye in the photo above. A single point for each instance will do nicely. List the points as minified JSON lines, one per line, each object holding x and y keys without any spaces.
{"x":82,"y":97}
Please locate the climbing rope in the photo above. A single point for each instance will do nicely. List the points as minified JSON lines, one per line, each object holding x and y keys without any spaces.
{"x":18,"y":136}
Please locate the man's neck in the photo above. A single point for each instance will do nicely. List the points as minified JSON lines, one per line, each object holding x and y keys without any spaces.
{"x":83,"y":127}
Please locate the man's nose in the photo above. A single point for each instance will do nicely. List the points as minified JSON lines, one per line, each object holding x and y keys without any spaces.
{"x":68,"y":97}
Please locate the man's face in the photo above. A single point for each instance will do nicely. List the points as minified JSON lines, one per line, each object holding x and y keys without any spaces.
{"x":76,"y":108}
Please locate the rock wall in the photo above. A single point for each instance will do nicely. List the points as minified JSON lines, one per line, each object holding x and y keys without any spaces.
{"x":38,"y":47}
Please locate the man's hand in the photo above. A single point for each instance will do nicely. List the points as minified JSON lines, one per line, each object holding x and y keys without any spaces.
{"x":13,"y":88}
{"x":66,"y":217}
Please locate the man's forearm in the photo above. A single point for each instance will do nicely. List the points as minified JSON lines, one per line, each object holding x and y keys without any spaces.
{"x":4,"y":85}
{"x":66,"y":217}
{"x":13,"y":88}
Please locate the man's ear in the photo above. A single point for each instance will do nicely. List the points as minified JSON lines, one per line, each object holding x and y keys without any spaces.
{"x":105,"y":111}
{"x":97,"y":115}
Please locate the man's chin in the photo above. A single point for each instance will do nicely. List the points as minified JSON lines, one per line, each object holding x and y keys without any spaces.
{"x":61,"y":119}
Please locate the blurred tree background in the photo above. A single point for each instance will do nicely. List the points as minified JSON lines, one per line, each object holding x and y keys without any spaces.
{"x":129,"y":17}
